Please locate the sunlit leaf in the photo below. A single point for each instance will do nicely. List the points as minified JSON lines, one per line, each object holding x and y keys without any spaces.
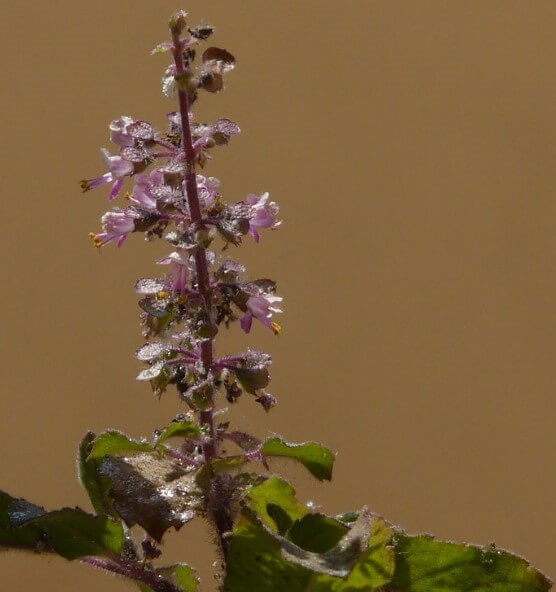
{"x":318,"y":459}
{"x":113,"y":442}
{"x":181,"y":575}
{"x":257,"y":561}
{"x":373,"y":569}
{"x":183,"y":429}
{"x":426,"y":565}
{"x":275,"y":492}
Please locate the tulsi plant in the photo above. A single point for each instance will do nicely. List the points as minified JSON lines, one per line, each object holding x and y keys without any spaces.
{"x":267,"y":540}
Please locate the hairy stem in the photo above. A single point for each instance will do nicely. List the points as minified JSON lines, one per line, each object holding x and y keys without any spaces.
{"x":133,"y":571}
{"x":200,"y":255}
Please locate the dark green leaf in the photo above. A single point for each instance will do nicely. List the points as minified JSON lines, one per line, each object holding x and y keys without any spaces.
{"x":280,"y":517}
{"x":73,"y":533}
{"x":69,"y":532}
{"x":316,"y":532}
{"x":426,"y":565}
{"x":114,"y":443}
{"x":318,"y":459}
{"x":183,"y":429}
{"x":13,"y":512}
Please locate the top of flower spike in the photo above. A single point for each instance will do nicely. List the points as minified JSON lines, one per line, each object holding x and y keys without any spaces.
{"x":174,"y":311}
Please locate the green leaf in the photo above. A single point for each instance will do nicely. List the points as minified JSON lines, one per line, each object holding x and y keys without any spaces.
{"x":181,"y":575}
{"x":318,"y":459}
{"x":114,"y":442}
{"x":275,"y":492}
{"x":14,"y":511}
{"x":338,"y":560}
{"x":373,"y":570}
{"x":426,"y":565}
{"x":95,"y":484}
{"x":69,"y":532}
{"x":257,"y":561}
{"x":279,"y":545}
{"x":316,"y":532}
{"x":73,"y":533}
{"x":184,"y":429}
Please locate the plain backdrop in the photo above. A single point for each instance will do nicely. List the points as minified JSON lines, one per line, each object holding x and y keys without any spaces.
{"x":411,"y":146}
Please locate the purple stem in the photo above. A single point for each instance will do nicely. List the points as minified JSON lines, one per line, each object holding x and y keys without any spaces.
{"x":133,"y":571}
{"x":201,"y":264}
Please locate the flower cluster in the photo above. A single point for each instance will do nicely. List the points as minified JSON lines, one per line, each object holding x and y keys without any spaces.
{"x":183,"y":309}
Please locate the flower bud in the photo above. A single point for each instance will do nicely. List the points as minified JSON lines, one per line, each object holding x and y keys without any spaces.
{"x":186,"y":82}
{"x":204,"y":237}
{"x":202,"y":32}
{"x":267,"y":401}
{"x":199,"y":396}
{"x":177,"y":22}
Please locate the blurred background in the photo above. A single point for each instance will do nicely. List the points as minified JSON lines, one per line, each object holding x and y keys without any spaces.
{"x":411,"y":146}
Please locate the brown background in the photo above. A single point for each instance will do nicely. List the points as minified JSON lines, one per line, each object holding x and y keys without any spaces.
{"x":411,"y":145}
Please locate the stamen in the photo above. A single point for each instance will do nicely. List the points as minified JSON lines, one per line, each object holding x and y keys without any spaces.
{"x":96,"y":241}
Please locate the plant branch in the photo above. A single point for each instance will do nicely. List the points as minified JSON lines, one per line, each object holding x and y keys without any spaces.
{"x":133,"y":571}
{"x":200,"y":255}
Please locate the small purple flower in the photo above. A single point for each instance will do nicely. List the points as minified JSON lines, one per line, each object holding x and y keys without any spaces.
{"x":152,"y":190}
{"x":262,"y":214}
{"x":117,"y":224}
{"x":177,"y":278}
{"x":261,"y":307}
{"x":142,"y":193}
{"x":119,"y":168}
{"x":208,"y":189}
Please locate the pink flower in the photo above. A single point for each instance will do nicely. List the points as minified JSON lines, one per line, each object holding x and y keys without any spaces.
{"x":117,"y":224}
{"x":177,"y":278}
{"x":262,"y":214}
{"x":119,"y":168}
{"x":261,"y":307}
{"x":142,"y":193}
{"x":208,"y":189}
